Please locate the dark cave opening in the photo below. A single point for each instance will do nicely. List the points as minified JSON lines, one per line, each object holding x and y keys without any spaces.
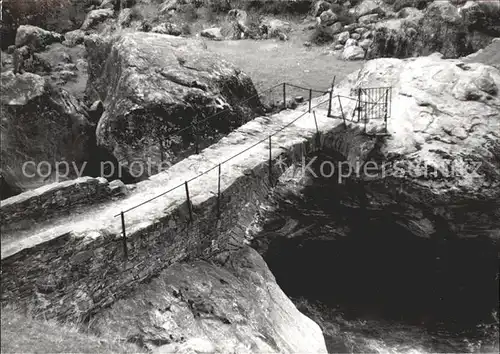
{"x":389,"y":274}
{"x":380,"y":270}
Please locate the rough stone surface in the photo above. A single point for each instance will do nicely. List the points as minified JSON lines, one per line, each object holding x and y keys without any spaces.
{"x":367,"y":7}
{"x":74,"y":38}
{"x":41,"y":123}
{"x":35,"y":37}
{"x":274,"y":28}
{"x":368,"y":19}
{"x":319,"y":7}
{"x":212,"y":33}
{"x":351,"y":42}
{"x":365,"y":43}
{"x":167,"y":28}
{"x":489,"y":55}
{"x":442,"y":28}
{"x":96,"y":17}
{"x":353,"y":52}
{"x":446,"y":140}
{"x":343,"y":37}
{"x":52,"y":200}
{"x":158,"y":233}
{"x":328,"y":18}
{"x":160,"y":85}
{"x":228,"y":307}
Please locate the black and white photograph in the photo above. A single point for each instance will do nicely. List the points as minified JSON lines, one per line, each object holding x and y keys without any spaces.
{"x":250,"y":176}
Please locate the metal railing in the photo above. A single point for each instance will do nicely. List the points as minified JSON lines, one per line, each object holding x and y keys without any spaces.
{"x":218,"y":166}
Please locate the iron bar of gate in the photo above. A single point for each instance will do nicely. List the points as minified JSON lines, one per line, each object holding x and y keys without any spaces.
{"x":270,"y":163}
{"x":284,"y":95}
{"x":386,"y":108}
{"x":124,"y":237}
{"x":330,"y":98}
{"x":310,"y":99}
{"x":359,"y":105}
{"x":218,"y":195}
{"x":190,"y":207}
{"x":317,"y":139}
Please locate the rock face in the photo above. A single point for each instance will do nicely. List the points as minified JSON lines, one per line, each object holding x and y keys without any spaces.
{"x":443,"y":161}
{"x":212,"y":33}
{"x":41,"y":125}
{"x":274,"y":28}
{"x":35,"y":37}
{"x":353,"y":52}
{"x":95,"y":17}
{"x":153,"y":86}
{"x":232,"y":307}
{"x":442,"y":27}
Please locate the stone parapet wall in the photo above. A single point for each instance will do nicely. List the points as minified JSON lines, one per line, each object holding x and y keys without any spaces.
{"x":56,"y":199}
{"x":75,"y":275}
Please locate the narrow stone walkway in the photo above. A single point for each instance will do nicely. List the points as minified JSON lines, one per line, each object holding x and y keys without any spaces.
{"x":100,"y":220}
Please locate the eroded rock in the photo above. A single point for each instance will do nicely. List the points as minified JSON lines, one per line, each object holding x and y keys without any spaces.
{"x":35,"y":37}
{"x":41,"y":125}
{"x":153,"y":86}
{"x":214,"y":308}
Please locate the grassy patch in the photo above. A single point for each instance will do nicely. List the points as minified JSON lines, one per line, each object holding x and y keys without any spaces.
{"x":23,"y":334}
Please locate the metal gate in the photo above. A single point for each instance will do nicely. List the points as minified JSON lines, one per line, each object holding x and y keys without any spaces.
{"x":373,"y":104}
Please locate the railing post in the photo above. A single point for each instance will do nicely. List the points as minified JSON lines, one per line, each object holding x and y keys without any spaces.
{"x":270,"y":163}
{"x":331,"y":96}
{"x":317,"y":139}
{"x":124,"y":237}
{"x":218,"y":195}
{"x":342,"y":111}
{"x":359,"y":105}
{"x":310,"y":99}
{"x":190,"y":207}
{"x":284,"y":95}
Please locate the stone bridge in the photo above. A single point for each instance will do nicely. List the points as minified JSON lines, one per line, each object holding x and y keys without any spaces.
{"x":75,"y":262}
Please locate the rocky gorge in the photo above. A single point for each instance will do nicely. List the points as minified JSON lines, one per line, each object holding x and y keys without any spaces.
{"x":403,"y":235}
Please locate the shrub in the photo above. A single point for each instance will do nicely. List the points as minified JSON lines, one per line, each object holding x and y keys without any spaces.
{"x":343,"y":14}
{"x":322,"y":35}
{"x":275,"y":7}
{"x":190,"y":12}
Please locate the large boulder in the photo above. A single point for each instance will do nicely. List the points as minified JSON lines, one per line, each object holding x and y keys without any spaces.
{"x":274,"y":28}
{"x":367,"y":7}
{"x":200,"y":307}
{"x":212,"y":33}
{"x":442,"y":28}
{"x":353,"y":52}
{"x":319,"y":7}
{"x":328,"y":18}
{"x":35,"y":37}
{"x":96,"y":17}
{"x":489,"y":55}
{"x":154,"y":87}
{"x":53,"y":15}
{"x":442,"y":160}
{"x":41,"y":126}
